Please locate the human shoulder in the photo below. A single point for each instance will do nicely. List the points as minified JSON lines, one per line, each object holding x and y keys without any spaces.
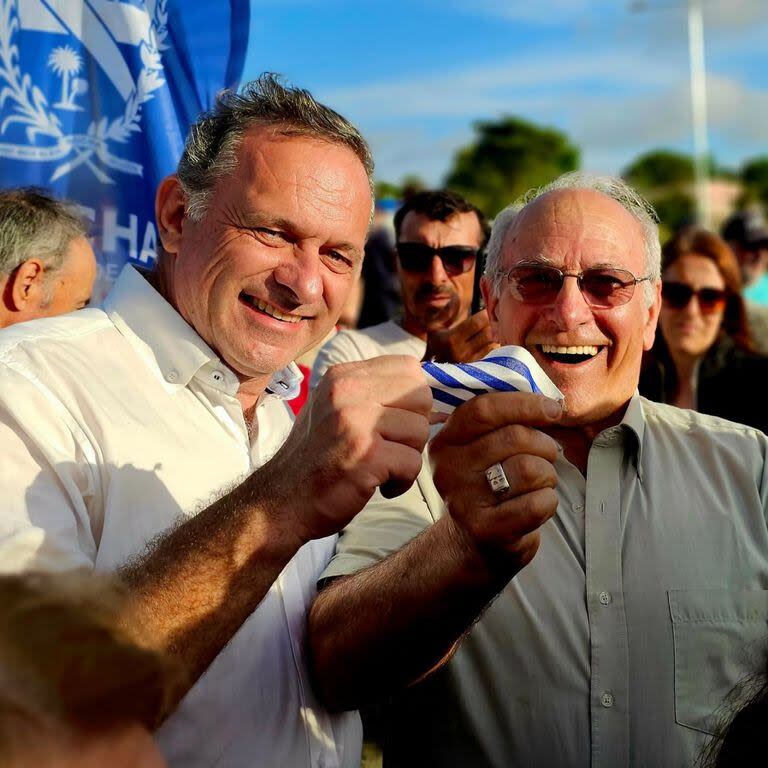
{"x":349,"y":346}
{"x":667,"y":421}
{"x":51,"y":333}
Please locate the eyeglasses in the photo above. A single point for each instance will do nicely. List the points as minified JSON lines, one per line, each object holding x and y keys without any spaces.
{"x":602,"y":287}
{"x":417,"y":257}
{"x":679,"y":295}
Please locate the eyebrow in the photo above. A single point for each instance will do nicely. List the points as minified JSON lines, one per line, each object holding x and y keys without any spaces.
{"x":544,"y":260}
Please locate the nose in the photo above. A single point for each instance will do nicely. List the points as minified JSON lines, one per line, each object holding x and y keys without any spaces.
{"x":570,"y":308}
{"x":437,"y":273}
{"x":300,"y":273}
{"x":692,"y":308}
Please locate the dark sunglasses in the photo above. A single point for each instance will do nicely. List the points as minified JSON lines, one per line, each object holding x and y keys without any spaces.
{"x":417,"y":257}
{"x":602,"y":287}
{"x":679,"y":295}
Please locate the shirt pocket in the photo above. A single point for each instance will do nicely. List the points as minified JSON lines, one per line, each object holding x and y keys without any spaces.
{"x":720,"y":637}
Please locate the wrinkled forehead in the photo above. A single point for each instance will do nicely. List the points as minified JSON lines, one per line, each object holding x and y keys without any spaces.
{"x":578,"y":227}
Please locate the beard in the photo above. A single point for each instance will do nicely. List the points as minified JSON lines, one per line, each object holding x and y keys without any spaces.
{"x":437,"y":318}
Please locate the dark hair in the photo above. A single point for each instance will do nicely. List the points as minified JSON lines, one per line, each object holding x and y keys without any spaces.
{"x":211,"y":147}
{"x":439,"y":205}
{"x":739,"y":738}
{"x":701,"y":242}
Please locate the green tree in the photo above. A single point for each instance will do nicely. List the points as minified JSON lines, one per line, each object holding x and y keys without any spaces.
{"x":754,"y":177}
{"x":659,"y":168}
{"x":386,"y":189}
{"x":665,"y":178}
{"x":508,"y":157}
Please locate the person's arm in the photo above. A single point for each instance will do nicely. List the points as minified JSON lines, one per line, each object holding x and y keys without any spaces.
{"x":468,"y":341}
{"x":364,"y":427}
{"x":391,"y":623}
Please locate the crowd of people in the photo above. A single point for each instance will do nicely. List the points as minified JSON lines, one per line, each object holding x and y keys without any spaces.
{"x":193,"y":577}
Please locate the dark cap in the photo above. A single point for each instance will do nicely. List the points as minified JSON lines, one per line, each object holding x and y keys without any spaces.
{"x":747,"y":228}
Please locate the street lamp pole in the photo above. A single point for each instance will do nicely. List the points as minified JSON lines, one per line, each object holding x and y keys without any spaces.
{"x":699,"y":111}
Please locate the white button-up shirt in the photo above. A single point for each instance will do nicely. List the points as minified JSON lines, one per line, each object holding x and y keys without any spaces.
{"x":115,"y":423}
{"x":616,"y":646}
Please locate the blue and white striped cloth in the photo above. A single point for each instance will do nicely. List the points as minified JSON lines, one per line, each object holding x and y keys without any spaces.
{"x":506,"y":369}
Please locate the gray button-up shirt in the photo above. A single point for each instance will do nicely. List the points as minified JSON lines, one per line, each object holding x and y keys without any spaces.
{"x":615,"y":647}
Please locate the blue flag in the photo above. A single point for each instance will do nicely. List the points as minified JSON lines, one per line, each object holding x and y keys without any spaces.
{"x":96,"y":97}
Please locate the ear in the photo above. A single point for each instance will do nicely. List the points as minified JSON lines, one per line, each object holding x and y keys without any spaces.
{"x":25,"y":284}
{"x":649,"y":332}
{"x":170,"y":211}
{"x":491,"y":305}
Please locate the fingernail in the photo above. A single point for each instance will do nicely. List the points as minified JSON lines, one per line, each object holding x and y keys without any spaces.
{"x":553,"y":408}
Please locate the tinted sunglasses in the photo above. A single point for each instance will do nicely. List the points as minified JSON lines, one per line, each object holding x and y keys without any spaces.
{"x":679,"y":295}
{"x":417,"y":257}
{"x":602,"y":287}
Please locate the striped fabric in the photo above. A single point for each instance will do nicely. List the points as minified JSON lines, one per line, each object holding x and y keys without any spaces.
{"x":506,"y":369}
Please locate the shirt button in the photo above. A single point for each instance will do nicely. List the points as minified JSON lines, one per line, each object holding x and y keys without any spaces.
{"x":607,"y":699}
{"x":172,"y":376}
{"x":578,"y":507}
{"x":605,"y":598}
{"x":217,"y":376}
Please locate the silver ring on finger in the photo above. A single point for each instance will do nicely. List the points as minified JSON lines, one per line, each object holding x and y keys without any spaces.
{"x":497,"y":478}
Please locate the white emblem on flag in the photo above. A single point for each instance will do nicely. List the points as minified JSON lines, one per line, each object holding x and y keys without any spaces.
{"x":96,"y":27}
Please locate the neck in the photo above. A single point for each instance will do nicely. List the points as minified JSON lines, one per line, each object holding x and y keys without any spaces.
{"x":251,"y":391}
{"x":414,"y":327}
{"x":251,"y":388}
{"x":576,"y":441}
{"x":686,"y":367}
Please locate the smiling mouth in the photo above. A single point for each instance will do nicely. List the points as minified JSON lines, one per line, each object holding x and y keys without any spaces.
{"x":268,"y":309}
{"x":572,"y":355}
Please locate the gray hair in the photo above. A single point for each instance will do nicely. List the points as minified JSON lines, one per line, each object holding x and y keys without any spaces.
{"x":614,"y":188}
{"x":35,"y":225}
{"x":211,"y":148}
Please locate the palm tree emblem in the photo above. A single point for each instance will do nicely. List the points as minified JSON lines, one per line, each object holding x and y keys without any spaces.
{"x":66,"y":62}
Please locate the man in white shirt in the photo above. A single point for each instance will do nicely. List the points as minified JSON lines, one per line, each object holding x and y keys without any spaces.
{"x":595,"y":608}
{"x":439,"y":236}
{"x":160,"y":419}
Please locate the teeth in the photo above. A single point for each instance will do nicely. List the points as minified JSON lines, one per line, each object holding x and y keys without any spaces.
{"x":268,"y":309}
{"x":584,"y":350}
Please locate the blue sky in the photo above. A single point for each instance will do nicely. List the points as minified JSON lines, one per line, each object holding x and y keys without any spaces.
{"x":415,"y":76}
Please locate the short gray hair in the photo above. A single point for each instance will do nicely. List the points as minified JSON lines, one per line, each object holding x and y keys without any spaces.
{"x":211,"y":148}
{"x":614,"y":188}
{"x":33,"y":224}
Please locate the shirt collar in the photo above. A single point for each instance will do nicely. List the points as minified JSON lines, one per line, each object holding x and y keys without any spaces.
{"x":164,"y":337}
{"x":634,"y":426}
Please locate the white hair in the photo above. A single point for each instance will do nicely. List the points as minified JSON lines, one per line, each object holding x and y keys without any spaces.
{"x":614,"y":188}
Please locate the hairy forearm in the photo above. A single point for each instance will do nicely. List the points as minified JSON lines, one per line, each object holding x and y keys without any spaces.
{"x":201,"y":580}
{"x":388,"y":625}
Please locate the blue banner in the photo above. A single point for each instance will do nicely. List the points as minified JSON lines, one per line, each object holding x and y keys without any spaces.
{"x":96,"y":97}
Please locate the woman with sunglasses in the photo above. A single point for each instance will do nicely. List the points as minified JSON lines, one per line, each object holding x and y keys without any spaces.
{"x":703,"y":356}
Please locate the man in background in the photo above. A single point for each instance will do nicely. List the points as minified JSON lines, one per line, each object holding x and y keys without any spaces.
{"x":747,"y":235}
{"x":439,"y":238}
{"x":47,"y":266}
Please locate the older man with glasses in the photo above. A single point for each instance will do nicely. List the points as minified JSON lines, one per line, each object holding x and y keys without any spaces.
{"x":439,"y":238}
{"x":597,"y":610}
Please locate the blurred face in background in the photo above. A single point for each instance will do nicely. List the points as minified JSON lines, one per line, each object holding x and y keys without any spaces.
{"x":436,"y":293}
{"x":693,"y":305}
{"x":753,"y":261}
